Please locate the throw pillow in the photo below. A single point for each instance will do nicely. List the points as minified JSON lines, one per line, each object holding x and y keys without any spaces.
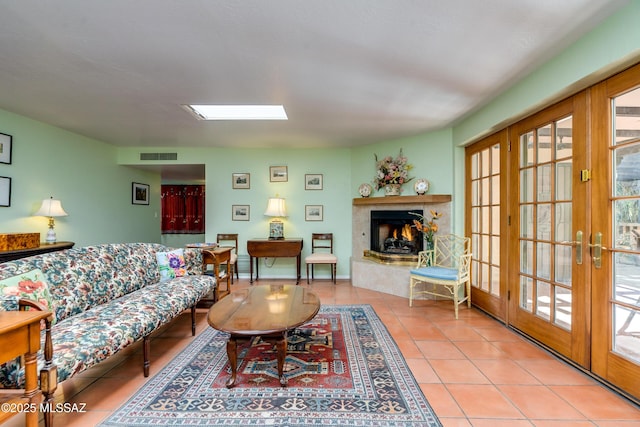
{"x":171,"y":264}
{"x":30,"y":285}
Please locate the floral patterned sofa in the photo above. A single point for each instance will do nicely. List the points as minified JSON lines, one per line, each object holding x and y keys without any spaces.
{"x":103,"y":299}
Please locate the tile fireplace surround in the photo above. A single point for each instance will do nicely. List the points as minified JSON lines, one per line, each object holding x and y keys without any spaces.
{"x":384,"y":277}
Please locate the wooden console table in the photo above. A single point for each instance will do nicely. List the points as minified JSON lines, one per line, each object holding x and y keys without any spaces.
{"x":20,"y":335}
{"x":42,"y":249}
{"x":266,"y":248}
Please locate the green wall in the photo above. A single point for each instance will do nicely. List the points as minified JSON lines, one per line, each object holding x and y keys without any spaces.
{"x":83,"y":173}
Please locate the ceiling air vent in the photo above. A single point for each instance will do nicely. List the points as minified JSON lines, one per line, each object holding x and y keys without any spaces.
{"x":158,"y":156}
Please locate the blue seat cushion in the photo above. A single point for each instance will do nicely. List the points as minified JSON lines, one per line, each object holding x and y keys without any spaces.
{"x":440,"y":273}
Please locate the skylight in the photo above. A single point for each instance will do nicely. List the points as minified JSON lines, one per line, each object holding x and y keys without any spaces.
{"x":238,"y":112}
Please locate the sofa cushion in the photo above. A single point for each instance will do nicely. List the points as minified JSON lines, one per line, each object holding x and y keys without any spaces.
{"x":171,"y":264}
{"x":441,"y":273}
{"x":89,"y":276}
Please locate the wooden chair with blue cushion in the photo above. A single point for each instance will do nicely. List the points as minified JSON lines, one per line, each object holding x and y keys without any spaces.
{"x":322,"y":253}
{"x":444,"y":271}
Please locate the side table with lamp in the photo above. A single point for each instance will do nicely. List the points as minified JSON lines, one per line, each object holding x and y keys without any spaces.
{"x":276,"y":246}
{"x":15,"y":246}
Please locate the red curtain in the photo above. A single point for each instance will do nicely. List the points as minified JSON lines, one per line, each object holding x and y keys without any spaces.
{"x":182,"y":209}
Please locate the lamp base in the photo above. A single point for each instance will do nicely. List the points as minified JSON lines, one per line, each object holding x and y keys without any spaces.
{"x":51,"y":236}
{"x":276,"y":230}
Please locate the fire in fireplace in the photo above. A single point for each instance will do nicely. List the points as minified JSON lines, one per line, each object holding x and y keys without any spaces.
{"x":392,"y":233}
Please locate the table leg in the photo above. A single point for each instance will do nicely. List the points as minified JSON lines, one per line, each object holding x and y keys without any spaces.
{"x":250,"y":269}
{"x":232,"y":355}
{"x":31,"y":390}
{"x":281,"y":346}
{"x":257,"y":267}
{"x":298,"y":259}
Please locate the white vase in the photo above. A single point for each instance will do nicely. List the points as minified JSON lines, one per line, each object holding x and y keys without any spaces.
{"x":392,"y":189}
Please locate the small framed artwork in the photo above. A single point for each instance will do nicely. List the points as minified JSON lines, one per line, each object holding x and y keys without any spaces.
{"x":313,"y":213}
{"x":278,"y":174}
{"x":139,"y":193}
{"x":313,"y":181}
{"x":5,"y":191}
{"x":5,"y":148}
{"x":240,"y":212}
{"x":241,"y":181}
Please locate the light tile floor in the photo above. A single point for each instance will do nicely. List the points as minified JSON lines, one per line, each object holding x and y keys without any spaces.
{"x":474,"y":371}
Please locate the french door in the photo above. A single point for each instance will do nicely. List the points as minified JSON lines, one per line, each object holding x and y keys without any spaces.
{"x":549,"y":288}
{"x":486,"y":169}
{"x":615,"y":231}
{"x":568,"y":235}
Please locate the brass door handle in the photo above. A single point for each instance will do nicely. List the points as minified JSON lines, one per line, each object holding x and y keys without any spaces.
{"x":578,"y":244}
{"x":597,"y":249}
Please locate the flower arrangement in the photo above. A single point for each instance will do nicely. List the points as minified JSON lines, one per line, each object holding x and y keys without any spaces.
{"x":392,"y":171}
{"x":427,"y":228}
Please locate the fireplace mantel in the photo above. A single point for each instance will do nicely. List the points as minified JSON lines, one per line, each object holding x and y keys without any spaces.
{"x":394,"y":200}
{"x":382,"y":277}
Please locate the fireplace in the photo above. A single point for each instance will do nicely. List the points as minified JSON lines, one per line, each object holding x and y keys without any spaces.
{"x":392,"y":236}
{"x":383,"y":272}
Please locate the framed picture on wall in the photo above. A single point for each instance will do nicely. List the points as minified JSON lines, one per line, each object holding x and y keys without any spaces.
{"x":6,"y":143}
{"x":278,"y":174}
{"x":313,"y":213}
{"x":313,"y":181}
{"x":139,"y":193}
{"x":241,"y":181}
{"x":240,"y":212}
{"x":5,"y":191}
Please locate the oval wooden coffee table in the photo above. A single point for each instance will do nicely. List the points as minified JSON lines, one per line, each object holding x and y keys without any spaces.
{"x":267,"y":311}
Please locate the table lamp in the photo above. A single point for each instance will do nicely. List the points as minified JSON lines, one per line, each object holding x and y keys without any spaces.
{"x":276,"y":209}
{"x":51,"y":208}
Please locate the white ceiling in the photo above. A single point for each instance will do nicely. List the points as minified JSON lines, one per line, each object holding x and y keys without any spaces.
{"x":348,"y":72}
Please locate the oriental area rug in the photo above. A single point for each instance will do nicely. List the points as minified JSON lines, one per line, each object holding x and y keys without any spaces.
{"x":342,"y":367}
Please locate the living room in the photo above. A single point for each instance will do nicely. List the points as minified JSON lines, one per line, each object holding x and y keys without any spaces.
{"x":93,"y":177}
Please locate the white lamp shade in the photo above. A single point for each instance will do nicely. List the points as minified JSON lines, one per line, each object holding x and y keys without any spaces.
{"x":51,"y":208}
{"x":276,"y":207}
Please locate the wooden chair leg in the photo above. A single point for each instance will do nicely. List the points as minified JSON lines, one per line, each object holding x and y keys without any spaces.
{"x":307,"y":274}
{"x":455,"y":299}
{"x":411,"y":284}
